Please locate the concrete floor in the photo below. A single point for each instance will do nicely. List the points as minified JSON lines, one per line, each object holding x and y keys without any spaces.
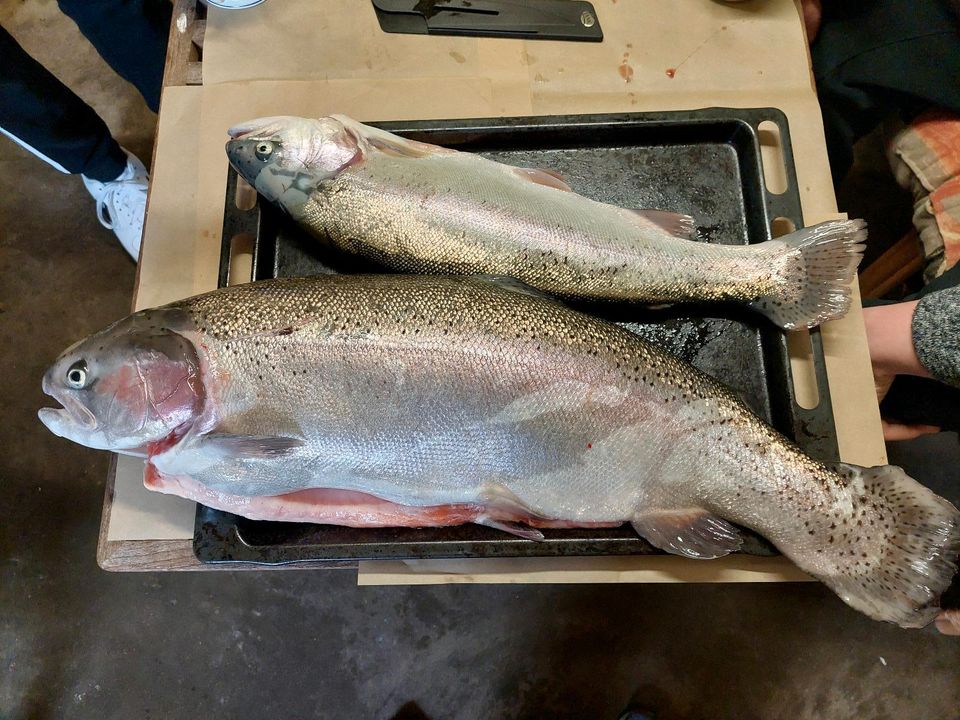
{"x":81,"y":643}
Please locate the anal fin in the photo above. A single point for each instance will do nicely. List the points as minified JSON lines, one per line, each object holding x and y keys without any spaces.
{"x":503,"y":510}
{"x":691,"y":532}
{"x":514,"y":528}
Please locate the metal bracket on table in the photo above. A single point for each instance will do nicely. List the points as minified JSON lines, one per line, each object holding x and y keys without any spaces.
{"x":526,"y":19}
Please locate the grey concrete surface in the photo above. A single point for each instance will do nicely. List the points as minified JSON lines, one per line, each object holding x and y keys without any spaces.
{"x":76,"y":642}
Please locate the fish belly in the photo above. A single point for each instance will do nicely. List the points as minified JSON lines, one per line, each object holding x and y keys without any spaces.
{"x":540,"y":445}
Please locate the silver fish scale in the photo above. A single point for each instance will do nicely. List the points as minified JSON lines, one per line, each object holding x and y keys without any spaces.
{"x":487,"y":219}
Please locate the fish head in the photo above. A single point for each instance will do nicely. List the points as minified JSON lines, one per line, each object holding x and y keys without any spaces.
{"x":286,"y":158}
{"x":121,"y":389}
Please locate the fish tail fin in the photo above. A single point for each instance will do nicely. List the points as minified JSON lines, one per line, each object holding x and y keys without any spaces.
{"x":895,"y":552}
{"x":816,"y":266}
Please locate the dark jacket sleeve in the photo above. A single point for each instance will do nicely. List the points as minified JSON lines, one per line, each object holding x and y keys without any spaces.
{"x":936,"y":334}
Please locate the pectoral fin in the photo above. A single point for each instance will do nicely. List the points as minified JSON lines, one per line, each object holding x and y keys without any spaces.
{"x":252,"y":446}
{"x":691,"y":532}
{"x":388,"y":143}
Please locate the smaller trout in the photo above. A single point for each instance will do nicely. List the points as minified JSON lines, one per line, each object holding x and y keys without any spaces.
{"x":420,"y":208}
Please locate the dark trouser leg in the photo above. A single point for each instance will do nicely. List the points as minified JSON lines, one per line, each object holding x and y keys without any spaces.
{"x":876,"y":57}
{"x":131,"y":35}
{"x":42,"y":112}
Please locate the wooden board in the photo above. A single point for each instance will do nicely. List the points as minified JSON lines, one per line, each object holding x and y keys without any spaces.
{"x":185,"y":44}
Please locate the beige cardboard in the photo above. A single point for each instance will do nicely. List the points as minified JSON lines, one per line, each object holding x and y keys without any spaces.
{"x":744,"y":47}
{"x":167,"y":269}
{"x":141,"y":514}
{"x":649,"y":569}
{"x":166,"y":272}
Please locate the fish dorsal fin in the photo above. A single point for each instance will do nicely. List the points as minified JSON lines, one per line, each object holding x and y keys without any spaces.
{"x":540,"y":176}
{"x":691,"y":532}
{"x":252,"y":446}
{"x":513,"y":285}
{"x":405,"y":149}
{"x":676,"y":224}
{"x":388,"y":143}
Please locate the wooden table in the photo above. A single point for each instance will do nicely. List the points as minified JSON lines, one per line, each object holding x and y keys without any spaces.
{"x":304,"y":57}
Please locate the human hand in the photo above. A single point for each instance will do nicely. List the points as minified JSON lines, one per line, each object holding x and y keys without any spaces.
{"x":948,"y":622}
{"x":812,"y":14}
{"x":890,"y":339}
{"x":893,"y":430}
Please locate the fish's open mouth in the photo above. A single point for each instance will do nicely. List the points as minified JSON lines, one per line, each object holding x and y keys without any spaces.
{"x":72,"y":412}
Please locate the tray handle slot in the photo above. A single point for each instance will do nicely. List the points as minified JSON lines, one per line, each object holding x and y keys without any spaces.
{"x":802,"y":364}
{"x":245,"y":197}
{"x":807,"y":379}
{"x":805,"y":388}
{"x":781,"y":226}
{"x":241,"y":259}
{"x":771,"y":155}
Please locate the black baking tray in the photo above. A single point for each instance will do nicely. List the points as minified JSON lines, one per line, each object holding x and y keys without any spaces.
{"x":705,"y":163}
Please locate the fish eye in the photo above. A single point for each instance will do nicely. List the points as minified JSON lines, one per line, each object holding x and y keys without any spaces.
{"x":77,"y":375}
{"x":264,"y":150}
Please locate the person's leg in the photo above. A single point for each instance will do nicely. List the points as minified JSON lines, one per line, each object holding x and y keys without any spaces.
{"x":871,"y":59}
{"x":45,"y":116}
{"x":131,"y":35}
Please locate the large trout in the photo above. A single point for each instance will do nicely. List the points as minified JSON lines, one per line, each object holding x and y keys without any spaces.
{"x":424,"y":401}
{"x":420,"y":208}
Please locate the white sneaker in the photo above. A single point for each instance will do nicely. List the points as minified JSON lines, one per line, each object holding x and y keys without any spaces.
{"x":122,"y":203}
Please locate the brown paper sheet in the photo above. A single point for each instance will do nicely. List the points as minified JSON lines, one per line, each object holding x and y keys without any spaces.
{"x":167,"y":272}
{"x":167,"y":269}
{"x":141,"y":514}
{"x":636,"y":569}
{"x":649,"y":48}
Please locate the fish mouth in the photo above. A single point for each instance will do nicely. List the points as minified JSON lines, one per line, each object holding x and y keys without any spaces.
{"x":72,"y":413}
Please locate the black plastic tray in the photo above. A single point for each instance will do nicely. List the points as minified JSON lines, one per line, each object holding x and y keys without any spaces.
{"x":705,"y":163}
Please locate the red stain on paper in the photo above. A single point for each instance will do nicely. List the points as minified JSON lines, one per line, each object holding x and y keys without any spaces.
{"x":671,"y":73}
{"x":625,"y":69}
